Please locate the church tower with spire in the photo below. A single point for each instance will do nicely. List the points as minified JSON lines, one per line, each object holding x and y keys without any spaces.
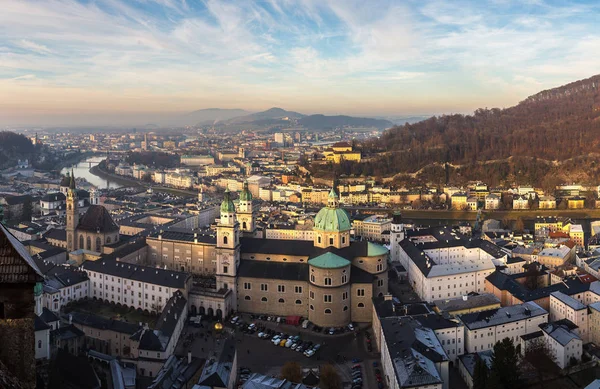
{"x":72,"y":214}
{"x":228,"y":246}
{"x":245,"y":211}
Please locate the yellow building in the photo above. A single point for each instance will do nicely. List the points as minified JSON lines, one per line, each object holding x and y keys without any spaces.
{"x":342,"y":151}
{"x":576,"y":203}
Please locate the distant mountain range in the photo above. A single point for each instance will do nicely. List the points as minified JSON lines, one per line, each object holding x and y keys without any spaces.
{"x":206,"y":116}
{"x":276,"y":117}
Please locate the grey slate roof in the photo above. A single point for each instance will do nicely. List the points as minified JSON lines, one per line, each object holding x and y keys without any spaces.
{"x":414,"y":351}
{"x":499,"y":316}
{"x":456,"y":304}
{"x":559,"y":332}
{"x":110,"y":266}
{"x":217,"y":373}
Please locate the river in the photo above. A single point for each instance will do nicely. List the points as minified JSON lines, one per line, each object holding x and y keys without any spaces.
{"x":82,"y":169}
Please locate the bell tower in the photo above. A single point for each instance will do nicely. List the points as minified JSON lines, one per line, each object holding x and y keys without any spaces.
{"x":228,"y":246}
{"x":246,"y":211}
{"x":72,"y":214}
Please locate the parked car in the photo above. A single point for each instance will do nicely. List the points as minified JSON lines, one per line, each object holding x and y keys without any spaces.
{"x":305,"y":323}
{"x":289,"y":343}
{"x":331,"y":331}
{"x":350,"y":327}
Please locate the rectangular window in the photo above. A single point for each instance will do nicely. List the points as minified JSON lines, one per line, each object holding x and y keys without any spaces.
{"x":264,"y":287}
{"x":281,"y":288}
{"x":247,"y":286}
{"x":298,"y":289}
{"x":312,"y":295}
{"x":225,"y":269}
{"x":327,"y":298}
{"x":360,"y":292}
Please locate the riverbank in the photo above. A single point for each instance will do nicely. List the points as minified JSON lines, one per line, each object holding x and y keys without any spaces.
{"x":96,"y":170}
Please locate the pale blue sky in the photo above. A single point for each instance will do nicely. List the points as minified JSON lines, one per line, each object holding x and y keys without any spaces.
{"x":65,"y":58}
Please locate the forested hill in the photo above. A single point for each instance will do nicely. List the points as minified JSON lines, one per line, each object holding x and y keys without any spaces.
{"x":13,"y":147}
{"x":553,"y":125}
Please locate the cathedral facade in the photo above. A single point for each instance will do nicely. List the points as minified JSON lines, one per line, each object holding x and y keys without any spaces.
{"x":330,"y":280}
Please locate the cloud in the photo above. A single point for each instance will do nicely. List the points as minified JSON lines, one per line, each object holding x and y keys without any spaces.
{"x":304,"y":53}
{"x":35,"y":47}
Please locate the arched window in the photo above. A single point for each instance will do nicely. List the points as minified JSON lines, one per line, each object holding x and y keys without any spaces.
{"x":264,"y":299}
{"x":81,"y":246}
{"x":312,"y":308}
{"x":247,"y":298}
{"x":244,"y":225}
{"x":224,"y":240}
{"x":108,"y":240}
{"x":361,"y":305}
{"x":345,"y":308}
{"x":88,"y":243}
{"x":98,"y":243}
{"x":312,"y":278}
{"x":39,"y":344}
{"x":344,"y":278}
{"x":327,"y":281}
{"x":343,"y":239}
{"x":328,"y":311}
{"x":319,"y":239}
{"x":298,"y":302}
{"x":281,"y":300}
{"x":330,"y":240}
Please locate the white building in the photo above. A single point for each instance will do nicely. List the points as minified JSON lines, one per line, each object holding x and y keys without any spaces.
{"x":484,"y":329}
{"x":441,"y":263}
{"x":563,"y":306}
{"x":520,"y":202}
{"x":492,"y":201}
{"x":132,"y":285}
{"x":564,"y":343}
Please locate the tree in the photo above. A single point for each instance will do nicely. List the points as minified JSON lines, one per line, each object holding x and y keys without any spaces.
{"x":519,"y":225}
{"x":330,"y":379}
{"x":540,"y":357}
{"x":505,"y":363}
{"x":147,"y":177}
{"x":291,"y":371}
{"x":481,"y":374}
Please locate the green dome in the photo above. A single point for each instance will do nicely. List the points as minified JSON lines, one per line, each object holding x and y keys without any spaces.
{"x":245,"y":195}
{"x":332,"y":219}
{"x":375,"y":250}
{"x":328,"y":261}
{"x":227,"y":205}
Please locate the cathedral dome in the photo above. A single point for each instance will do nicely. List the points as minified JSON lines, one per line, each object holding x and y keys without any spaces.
{"x":332,"y":217}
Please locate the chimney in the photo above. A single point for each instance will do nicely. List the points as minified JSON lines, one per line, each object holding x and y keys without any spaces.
{"x":189,"y":357}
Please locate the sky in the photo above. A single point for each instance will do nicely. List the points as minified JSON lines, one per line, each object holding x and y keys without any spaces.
{"x":118,"y":62}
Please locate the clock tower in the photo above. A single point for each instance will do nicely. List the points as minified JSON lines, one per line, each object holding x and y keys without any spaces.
{"x":228,"y":247}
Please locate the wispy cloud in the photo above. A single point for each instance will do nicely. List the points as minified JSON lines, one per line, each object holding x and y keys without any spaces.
{"x":309,"y":55}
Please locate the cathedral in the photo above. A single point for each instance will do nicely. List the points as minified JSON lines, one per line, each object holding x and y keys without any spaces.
{"x":331,"y":280}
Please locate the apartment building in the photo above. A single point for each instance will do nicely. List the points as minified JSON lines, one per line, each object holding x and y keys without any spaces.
{"x":484,"y":329}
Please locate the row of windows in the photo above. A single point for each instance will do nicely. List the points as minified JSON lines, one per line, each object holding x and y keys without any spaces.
{"x":328,"y":310}
{"x":264,"y":300}
{"x":265,"y":288}
{"x":328,"y":281}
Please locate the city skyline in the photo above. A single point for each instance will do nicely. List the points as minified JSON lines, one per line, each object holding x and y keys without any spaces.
{"x":125,"y":63}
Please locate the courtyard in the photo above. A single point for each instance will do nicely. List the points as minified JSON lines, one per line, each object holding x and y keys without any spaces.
{"x":111,"y":311}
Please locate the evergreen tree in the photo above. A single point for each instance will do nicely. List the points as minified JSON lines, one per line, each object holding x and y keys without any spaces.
{"x":505,"y":364}
{"x":480,"y":375}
